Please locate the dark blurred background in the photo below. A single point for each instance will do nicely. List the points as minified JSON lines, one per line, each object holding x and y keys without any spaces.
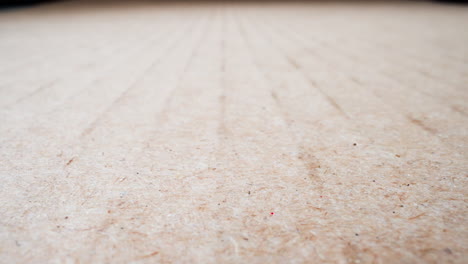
{"x":25,"y":3}
{"x":20,"y":3}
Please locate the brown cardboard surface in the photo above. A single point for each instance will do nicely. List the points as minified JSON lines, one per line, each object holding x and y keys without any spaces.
{"x":224,"y":132}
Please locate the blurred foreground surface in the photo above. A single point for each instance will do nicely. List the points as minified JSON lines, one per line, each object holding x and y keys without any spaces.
{"x":234,"y":132}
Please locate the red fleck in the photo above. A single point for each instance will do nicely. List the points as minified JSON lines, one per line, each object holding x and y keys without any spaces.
{"x":69,"y":162}
{"x":272,"y":213}
{"x":321,"y":196}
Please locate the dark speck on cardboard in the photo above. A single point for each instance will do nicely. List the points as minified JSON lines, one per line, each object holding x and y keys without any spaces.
{"x":70,"y":161}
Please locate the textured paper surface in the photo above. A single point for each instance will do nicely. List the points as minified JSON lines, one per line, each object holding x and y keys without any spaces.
{"x":234,"y":133}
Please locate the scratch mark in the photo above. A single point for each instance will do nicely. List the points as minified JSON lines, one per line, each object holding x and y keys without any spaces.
{"x":222,"y":130}
{"x":163,"y":115}
{"x":307,"y":158}
{"x":356,"y":80}
{"x":293,"y":62}
{"x":328,"y":98}
{"x":417,"y":216}
{"x":421,"y":125}
{"x":37,"y":91}
{"x":459,"y":110}
{"x":315,"y":85}
{"x":311,"y":164}
{"x":222,"y":98}
{"x":123,"y":95}
{"x":150,"y":255}
{"x":234,"y":243}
